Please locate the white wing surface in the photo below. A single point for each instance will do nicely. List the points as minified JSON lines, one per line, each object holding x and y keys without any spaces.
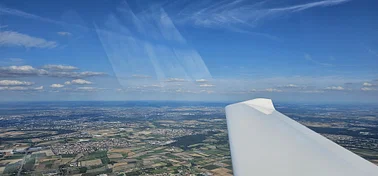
{"x":265,"y":142}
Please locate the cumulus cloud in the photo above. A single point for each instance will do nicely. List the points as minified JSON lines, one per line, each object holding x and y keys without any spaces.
{"x":368,"y":89}
{"x":19,"y":88}
{"x":56,"y":85}
{"x":141,"y":76}
{"x":201,"y":81}
{"x":15,"y":39}
{"x":337,"y":88}
{"x":15,"y":83}
{"x":312,"y":91}
{"x":75,"y":74}
{"x":64,"y":33}
{"x":290,"y":86}
{"x":25,"y":70}
{"x":38,"y":88}
{"x":272,"y":90}
{"x":175,"y":80}
{"x":366,"y":84}
{"x":89,"y":89}
{"x":207,"y":85}
{"x":59,"y":67}
{"x":80,"y":81}
{"x":52,"y":71}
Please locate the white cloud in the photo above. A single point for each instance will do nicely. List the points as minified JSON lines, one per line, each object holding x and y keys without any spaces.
{"x":233,"y":14}
{"x":141,"y":76}
{"x":290,"y":86}
{"x":309,"y":58}
{"x":80,"y":81}
{"x":201,"y":81}
{"x":19,"y":13}
{"x":366,"y":84}
{"x":25,"y":70}
{"x":39,"y":88}
{"x":15,"y":83}
{"x":76,"y":74}
{"x":86,"y":88}
{"x":64,"y":33}
{"x":207,"y":85}
{"x":67,"y":83}
{"x":272,"y":90}
{"x":368,"y":89}
{"x":175,"y":80}
{"x":372,"y":52}
{"x":338,"y":88}
{"x":60,"y":67}
{"x":19,"y":88}
{"x":12,"y":61}
{"x":56,"y":85}
{"x":313,"y":91}
{"x":11,"y":38}
{"x":89,"y":89}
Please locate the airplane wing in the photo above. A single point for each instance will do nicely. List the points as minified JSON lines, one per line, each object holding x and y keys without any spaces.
{"x":264,"y":142}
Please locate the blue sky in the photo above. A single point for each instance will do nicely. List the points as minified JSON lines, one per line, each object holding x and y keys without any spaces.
{"x":197,"y":50}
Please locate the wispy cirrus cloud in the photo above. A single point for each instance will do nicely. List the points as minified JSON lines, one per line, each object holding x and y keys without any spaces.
{"x":15,"y":39}
{"x":64,"y":34}
{"x":19,"y":13}
{"x":229,"y":13}
{"x":12,"y":61}
{"x":309,"y":58}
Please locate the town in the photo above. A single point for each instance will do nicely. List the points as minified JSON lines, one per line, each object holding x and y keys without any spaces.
{"x":159,"y":139}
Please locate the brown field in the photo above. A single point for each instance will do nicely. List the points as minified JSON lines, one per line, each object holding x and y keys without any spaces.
{"x":4,"y":162}
{"x":120,"y":150}
{"x":65,"y":160}
{"x":36,"y":140}
{"x":115,"y":155}
{"x":2,"y":169}
{"x":122,"y":167}
{"x":11,"y":133}
{"x":91,"y":162}
{"x":120,"y":164}
{"x":47,"y":152}
{"x":221,"y":172}
{"x":48,"y":159}
{"x":47,"y":143}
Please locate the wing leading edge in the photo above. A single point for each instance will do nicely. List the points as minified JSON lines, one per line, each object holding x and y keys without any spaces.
{"x":265,"y":142}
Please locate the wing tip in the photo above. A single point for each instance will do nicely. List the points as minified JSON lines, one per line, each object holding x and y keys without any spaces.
{"x":264,"y":105}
